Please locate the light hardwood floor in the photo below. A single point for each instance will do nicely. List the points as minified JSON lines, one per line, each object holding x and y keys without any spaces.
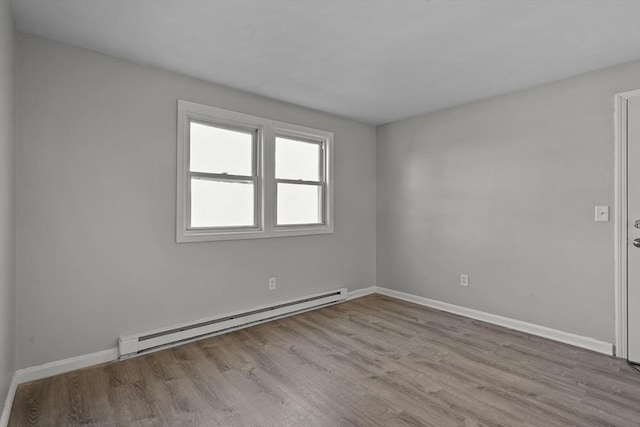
{"x":373,"y":361}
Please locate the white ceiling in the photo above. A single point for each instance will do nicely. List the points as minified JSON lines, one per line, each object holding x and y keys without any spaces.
{"x":374,"y":61}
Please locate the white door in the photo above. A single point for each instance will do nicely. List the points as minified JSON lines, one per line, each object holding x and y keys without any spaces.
{"x":633,"y":229}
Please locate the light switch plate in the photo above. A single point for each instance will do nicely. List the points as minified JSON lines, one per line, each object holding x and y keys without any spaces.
{"x":602,"y":214}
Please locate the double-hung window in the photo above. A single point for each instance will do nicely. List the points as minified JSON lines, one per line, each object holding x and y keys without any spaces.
{"x":241,"y":176}
{"x":299,"y":180}
{"x":223,"y":177}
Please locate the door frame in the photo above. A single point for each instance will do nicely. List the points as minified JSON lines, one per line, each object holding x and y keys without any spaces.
{"x":620,"y":221}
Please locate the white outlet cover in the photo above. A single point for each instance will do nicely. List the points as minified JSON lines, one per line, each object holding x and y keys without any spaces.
{"x":602,"y":214}
{"x":464,"y":280}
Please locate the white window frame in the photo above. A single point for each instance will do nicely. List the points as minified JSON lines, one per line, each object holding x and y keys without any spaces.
{"x":325,"y":141}
{"x":265,"y":203}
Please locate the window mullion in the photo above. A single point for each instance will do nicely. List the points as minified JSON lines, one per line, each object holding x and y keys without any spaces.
{"x":321,"y":163}
{"x":323,"y":190}
{"x":269,"y":185}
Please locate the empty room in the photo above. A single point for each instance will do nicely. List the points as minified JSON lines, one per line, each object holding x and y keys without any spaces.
{"x":320,"y":213}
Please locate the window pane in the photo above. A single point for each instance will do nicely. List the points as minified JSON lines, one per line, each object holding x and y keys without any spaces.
{"x":297,"y":160}
{"x":219,"y":150}
{"x":221,"y":203}
{"x":298,"y":204}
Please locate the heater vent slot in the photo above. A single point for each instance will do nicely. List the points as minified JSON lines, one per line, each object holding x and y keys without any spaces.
{"x":166,"y":337}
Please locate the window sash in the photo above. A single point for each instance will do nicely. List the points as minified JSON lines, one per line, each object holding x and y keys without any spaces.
{"x":321,"y":183}
{"x":254,"y":132}
{"x":322,"y":206}
{"x":321,"y":153}
{"x":225,"y":177}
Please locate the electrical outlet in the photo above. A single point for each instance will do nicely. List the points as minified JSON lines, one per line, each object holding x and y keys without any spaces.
{"x":602,"y":214}
{"x":464,"y":280}
{"x":272,"y":283}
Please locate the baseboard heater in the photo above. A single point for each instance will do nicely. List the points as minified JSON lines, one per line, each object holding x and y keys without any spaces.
{"x":177,"y":334}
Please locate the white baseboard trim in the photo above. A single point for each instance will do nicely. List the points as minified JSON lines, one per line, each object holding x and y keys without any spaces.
{"x":518,"y":325}
{"x":361,"y":292}
{"x":50,"y":369}
{"x":71,"y":364}
{"x":66,"y":365}
{"x":8,"y":403}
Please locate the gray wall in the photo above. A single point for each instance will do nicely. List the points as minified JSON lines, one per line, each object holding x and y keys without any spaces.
{"x":501,"y":189}
{"x":96,"y":166}
{"x":504,"y":190}
{"x":7,"y":233}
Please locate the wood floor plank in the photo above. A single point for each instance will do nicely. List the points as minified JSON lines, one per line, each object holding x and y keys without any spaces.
{"x":373,"y":361}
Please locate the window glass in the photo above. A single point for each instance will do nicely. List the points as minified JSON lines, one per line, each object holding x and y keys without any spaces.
{"x":298,"y":204}
{"x":219,"y":150}
{"x":297,"y":159}
{"x":221,"y":203}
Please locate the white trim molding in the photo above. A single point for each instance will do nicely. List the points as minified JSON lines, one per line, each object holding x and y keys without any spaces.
{"x":518,"y":325}
{"x":361,"y":292}
{"x":8,"y":403}
{"x":620,"y":220}
{"x":66,"y":365}
{"x":50,"y":369}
